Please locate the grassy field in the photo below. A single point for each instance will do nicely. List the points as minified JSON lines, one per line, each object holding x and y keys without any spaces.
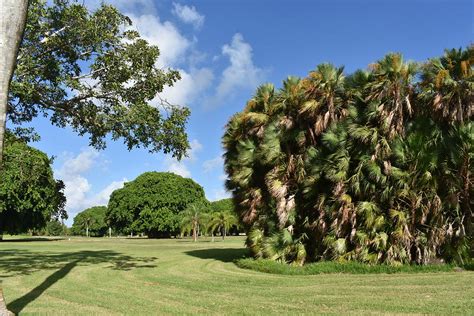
{"x":143,"y":277}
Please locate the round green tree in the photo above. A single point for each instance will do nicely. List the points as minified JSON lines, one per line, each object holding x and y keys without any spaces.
{"x":91,"y":222}
{"x":29,"y":195}
{"x":151,"y":204}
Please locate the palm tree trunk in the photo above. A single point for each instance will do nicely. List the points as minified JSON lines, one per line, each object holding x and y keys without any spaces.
{"x":194,"y":233}
{"x":223,"y":233}
{"x":465,"y":196}
{"x":87,"y":231}
{"x":12,"y":24}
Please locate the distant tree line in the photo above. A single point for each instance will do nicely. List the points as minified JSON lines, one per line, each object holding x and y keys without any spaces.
{"x":158,"y":205}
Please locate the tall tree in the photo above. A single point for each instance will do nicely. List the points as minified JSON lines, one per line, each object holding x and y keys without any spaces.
{"x":91,"y":71}
{"x":29,"y":195}
{"x":12,"y":24}
{"x":193,"y":218}
{"x":223,"y":221}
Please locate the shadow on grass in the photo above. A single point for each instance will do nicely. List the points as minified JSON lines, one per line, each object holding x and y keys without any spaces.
{"x":32,"y":239}
{"x":224,"y":254}
{"x":20,"y":262}
{"x":19,"y":304}
{"x":192,"y":241}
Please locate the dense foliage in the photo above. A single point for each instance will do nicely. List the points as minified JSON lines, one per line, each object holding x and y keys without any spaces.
{"x":152,"y":203}
{"x":348,"y":267}
{"x":374,"y":167}
{"x":91,"y":71}
{"x":90,"y":222}
{"x":223,"y":205}
{"x":54,"y":228}
{"x":29,"y":195}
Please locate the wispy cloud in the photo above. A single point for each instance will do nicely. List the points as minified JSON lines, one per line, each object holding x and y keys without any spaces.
{"x":71,"y":172}
{"x":181,"y":167}
{"x":220,"y":194}
{"x":216,"y":163}
{"x":102,"y":198}
{"x":173,"y":45}
{"x":188,"y":14}
{"x":77,"y":187}
{"x":241,"y":73}
{"x":191,"y":86}
{"x":176,"y":51}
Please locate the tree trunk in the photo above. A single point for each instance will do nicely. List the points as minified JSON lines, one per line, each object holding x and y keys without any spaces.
{"x":12,"y":24}
{"x":87,"y":231}
{"x":110,"y":232}
{"x":3,"y":306}
{"x":194,"y":233}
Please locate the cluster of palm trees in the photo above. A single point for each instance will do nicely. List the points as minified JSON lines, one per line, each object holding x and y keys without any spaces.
{"x":196,"y":220}
{"x":376,"y":166}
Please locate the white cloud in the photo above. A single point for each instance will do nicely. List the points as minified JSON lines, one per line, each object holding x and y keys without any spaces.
{"x":77,"y":188}
{"x":102,"y":198}
{"x":188,"y":15}
{"x":172,"y":44}
{"x":180,"y":167}
{"x":78,"y":164}
{"x":196,"y":147}
{"x":190,"y":87}
{"x":220,"y":194}
{"x":175,"y":49}
{"x":241,"y":73}
{"x":212,"y":164}
{"x":75,"y":191}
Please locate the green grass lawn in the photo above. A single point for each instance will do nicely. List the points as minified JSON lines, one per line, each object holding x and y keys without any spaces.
{"x":141,"y":276}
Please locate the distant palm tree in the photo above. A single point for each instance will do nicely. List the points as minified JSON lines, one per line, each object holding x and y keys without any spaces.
{"x":391,"y":89}
{"x":88,"y":222}
{"x":223,"y":221}
{"x":192,"y":218}
{"x":447,"y":85}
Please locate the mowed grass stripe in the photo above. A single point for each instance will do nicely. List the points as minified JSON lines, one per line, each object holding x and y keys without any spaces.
{"x":149,"y":277}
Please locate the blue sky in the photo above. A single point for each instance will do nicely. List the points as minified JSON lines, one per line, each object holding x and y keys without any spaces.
{"x":224,"y":49}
